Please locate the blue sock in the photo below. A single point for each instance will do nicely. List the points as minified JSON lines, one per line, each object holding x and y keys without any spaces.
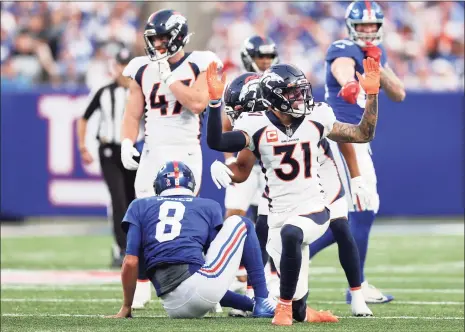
{"x":261,"y":228}
{"x":291,"y":260}
{"x":252,"y":260}
{"x":360,"y":225}
{"x":237,"y":301}
{"x":348,"y":253}
{"x":324,"y":241}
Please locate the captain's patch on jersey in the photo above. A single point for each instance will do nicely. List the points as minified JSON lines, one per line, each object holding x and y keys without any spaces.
{"x":271,"y":136}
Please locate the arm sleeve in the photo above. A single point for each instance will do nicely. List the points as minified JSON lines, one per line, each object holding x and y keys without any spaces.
{"x":93,"y":105}
{"x":133,"y":240}
{"x":245,"y":123}
{"x":233,"y":141}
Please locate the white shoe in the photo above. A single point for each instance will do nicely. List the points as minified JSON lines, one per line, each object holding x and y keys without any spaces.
{"x":373,"y":295}
{"x":238,"y":313}
{"x":359,"y":307}
{"x":143,"y":295}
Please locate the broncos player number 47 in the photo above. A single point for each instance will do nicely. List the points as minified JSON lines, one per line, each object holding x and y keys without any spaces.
{"x":169,"y":87}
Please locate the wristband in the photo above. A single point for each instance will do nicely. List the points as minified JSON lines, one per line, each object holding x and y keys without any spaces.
{"x":215,"y":102}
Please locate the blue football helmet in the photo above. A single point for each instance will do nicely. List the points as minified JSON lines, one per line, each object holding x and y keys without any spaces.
{"x":166,"y":23}
{"x":243,"y":95}
{"x":285,"y":89}
{"x":363,"y":12}
{"x":174,"y":174}
{"x":257,"y":47}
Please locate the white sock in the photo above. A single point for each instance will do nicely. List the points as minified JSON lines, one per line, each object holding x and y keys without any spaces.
{"x":357,"y":296}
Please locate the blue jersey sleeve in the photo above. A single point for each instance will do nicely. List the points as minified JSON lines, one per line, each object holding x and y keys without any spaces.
{"x":216,"y":220}
{"x":132,"y":215}
{"x":342,"y":49}
{"x":133,"y":240}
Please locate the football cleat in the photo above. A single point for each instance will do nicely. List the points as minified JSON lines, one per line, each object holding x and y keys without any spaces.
{"x":358,"y":304}
{"x":371,"y":294}
{"x":321,"y":316}
{"x":238,"y":313}
{"x":264,"y":307}
{"x":282,"y":315}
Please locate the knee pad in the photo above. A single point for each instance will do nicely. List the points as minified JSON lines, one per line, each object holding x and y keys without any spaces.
{"x":340,"y":227}
{"x":292,"y":236}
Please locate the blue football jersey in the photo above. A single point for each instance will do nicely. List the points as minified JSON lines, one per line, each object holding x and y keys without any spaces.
{"x":174,"y":229}
{"x":345,"y":112}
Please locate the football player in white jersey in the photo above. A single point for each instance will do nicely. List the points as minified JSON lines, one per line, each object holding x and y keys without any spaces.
{"x":257,"y":54}
{"x":169,"y":87}
{"x":298,"y":214}
{"x":243,"y":95}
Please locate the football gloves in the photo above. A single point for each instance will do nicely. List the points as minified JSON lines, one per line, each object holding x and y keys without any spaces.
{"x":127,"y":152}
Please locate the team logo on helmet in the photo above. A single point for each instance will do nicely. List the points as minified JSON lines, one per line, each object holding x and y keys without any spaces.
{"x":175,"y":20}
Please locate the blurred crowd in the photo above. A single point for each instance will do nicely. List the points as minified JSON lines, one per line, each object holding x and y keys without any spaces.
{"x":424,"y":40}
{"x":65,"y":43}
{"x":71,"y":43}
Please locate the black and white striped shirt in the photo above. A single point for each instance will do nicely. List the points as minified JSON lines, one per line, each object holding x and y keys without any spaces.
{"x":111,"y":101}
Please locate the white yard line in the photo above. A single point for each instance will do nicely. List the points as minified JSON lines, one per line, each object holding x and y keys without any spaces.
{"x":439,"y":303}
{"x":404,"y":279}
{"x":116,"y":287}
{"x":113,"y":300}
{"x":164,"y":316}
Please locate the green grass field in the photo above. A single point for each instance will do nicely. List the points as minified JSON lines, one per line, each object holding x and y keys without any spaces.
{"x":424,"y":273}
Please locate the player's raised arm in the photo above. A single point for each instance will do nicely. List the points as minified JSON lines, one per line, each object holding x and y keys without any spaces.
{"x":390,"y":83}
{"x":343,"y":70}
{"x":233,"y":141}
{"x":365,"y":130}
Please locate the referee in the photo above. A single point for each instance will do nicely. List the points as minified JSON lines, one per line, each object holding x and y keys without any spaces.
{"x":110,"y":100}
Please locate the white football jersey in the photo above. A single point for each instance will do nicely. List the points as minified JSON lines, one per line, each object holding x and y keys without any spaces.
{"x":167,"y":122}
{"x":289,"y":157}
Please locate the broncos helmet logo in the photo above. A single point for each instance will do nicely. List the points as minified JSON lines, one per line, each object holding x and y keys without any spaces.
{"x":271,"y":77}
{"x":175,"y":20}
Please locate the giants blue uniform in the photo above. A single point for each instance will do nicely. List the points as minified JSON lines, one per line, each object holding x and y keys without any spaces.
{"x":174,"y":229}
{"x":345,"y":112}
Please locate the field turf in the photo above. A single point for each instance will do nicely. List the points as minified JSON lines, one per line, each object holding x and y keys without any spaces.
{"x":425,"y":273}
